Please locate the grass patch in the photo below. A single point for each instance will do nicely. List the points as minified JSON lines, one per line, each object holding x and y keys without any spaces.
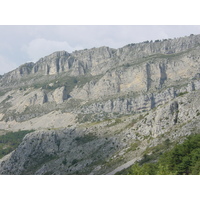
{"x":69,"y":82}
{"x":182,"y":93}
{"x":133,"y":147}
{"x":135,"y":120}
{"x":11,"y":140}
{"x":117,"y":121}
{"x":36,"y":163}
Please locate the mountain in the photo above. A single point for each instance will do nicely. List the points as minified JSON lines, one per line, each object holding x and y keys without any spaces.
{"x":97,"y":111}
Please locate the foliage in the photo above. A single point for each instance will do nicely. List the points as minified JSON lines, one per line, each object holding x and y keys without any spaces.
{"x":182,"y":93}
{"x":75,"y":161}
{"x":183,"y":159}
{"x":69,"y":82}
{"x":133,"y":146}
{"x":37,"y":162}
{"x":82,"y":118}
{"x":64,"y":162}
{"x":117,"y":121}
{"x":6,"y":99}
{"x":2,"y":92}
{"x":85,"y":139}
{"x":157,"y":151}
{"x":127,"y":65}
{"x":10,"y":141}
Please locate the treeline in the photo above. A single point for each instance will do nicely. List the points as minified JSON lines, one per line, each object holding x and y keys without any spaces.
{"x":183,"y":159}
{"x":10,"y":141}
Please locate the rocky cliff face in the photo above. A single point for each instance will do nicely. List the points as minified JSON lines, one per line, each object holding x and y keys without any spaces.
{"x":96,"y":109}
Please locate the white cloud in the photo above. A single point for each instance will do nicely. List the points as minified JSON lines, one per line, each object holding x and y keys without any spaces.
{"x":6,"y":65}
{"x":41,"y":47}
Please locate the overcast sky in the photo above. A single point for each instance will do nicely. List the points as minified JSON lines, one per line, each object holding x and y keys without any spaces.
{"x":20,"y":44}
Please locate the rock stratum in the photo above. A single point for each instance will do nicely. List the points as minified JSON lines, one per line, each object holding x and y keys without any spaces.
{"x":97,"y":109}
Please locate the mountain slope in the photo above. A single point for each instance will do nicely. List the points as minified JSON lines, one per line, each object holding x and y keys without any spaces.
{"x":94,"y":110}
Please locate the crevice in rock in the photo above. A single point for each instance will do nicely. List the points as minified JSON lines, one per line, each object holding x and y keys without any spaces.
{"x":35,"y":69}
{"x":193,"y":86}
{"x":48,"y":69}
{"x":70,"y":62}
{"x":57,"y":65}
{"x":65,"y":95}
{"x":152,"y":98}
{"x":174,"y":111}
{"x":111,"y":105}
{"x":163,"y":74}
{"x":148,"y":71}
{"x":45,"y":99}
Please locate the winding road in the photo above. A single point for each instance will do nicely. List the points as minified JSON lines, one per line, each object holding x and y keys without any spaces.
{"x":124,"y":166}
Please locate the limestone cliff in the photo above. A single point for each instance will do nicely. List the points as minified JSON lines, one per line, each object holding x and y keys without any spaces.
{"x":95,"y":109}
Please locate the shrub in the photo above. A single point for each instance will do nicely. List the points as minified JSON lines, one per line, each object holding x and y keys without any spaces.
{"x":183,"y":159}
{"x":74,"y":161}
{"x":10,"y":141}
{"x":85,"y":139}
{"x":182,"y":93}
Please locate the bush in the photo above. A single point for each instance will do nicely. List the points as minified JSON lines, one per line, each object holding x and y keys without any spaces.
{"x":74,"y":161}
{"x":10,"y":141}
{"x":182,"y":93}
{"x":85,"y":139}
{"x":183,"y":159}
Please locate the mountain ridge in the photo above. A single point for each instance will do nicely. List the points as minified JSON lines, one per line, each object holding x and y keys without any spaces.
{"x":184,"y":43}
{"x":124,"y":101}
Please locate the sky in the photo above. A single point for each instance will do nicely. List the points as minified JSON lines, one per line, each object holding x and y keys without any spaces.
{"x":24,"y":43}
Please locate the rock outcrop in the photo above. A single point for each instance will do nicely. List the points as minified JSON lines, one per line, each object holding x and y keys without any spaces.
{"x":95,"y":109}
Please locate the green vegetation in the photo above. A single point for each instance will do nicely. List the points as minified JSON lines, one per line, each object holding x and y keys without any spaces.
{"x":75,"y":161}
{"x":37,"y":162}
{"x":117,"y":121}
{"x":155,"y":56}
{"x":6,"y":99}
{"x":64,"y":162}
{"x":182,"y":93}
{"x":10,"y":141}
{"x":2,"y":92}
{"x":183,"y":159}
{"x":69,"y":82}
{"x":85,"y":139}
{"x":127,"y":65}
{"x":133,"y":146}
{"x":135,"y":120}
{"x":82,"y":118}
{"x":155,"y":151}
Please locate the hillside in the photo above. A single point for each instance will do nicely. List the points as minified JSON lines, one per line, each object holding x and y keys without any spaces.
{"x":99,"y":110}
